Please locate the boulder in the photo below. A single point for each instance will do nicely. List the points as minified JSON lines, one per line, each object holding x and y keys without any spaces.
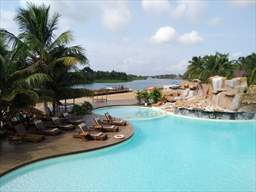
{"x":217,"y":83}
{"x":250,"y":96}
{"x":236,"y":83}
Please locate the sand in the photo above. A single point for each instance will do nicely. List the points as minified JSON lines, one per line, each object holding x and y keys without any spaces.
{"x":99,"y":101}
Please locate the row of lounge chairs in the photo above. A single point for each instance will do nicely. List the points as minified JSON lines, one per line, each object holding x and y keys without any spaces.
{"x":109,"y":124}
{"x":98,"y":126}
{"x":57,"y":126}
{"x":85,"y":133}
{"x":40,"y":129}
{"x":112,"y":121}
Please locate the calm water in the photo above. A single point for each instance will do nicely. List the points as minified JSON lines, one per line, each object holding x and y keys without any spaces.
{"x":167,"y":153}
{"x":135,"y":85}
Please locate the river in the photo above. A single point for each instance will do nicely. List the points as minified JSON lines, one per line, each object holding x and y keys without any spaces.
{"x":134,"y":85}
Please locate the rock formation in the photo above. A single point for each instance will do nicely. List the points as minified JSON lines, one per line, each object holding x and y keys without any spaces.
{"x":219,"y":94}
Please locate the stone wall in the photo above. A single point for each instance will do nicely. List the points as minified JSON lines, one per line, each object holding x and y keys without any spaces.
{"x":220,"y":94}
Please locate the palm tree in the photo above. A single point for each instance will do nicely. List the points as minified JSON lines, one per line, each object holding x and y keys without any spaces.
{"x":194,"y":69}
{"x":248,"y":65}
{"x":210,"y":65}
{"x":53,"y":55}
{"x":17,"y":78}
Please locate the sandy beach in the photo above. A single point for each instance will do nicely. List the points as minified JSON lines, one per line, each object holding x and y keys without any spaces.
{"x":128,"y":98}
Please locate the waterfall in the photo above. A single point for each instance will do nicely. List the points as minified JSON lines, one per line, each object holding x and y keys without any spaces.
{"x":230,"y":83}
{"x":233,"y":83}
{"x":215,"y":100}
{"x":185,"y":93}
{"x":217,"y":83}
{"x":236,"y":102}
{"x":190,"y":94}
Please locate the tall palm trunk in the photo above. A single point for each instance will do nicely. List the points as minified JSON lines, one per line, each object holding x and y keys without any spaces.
{"x":55,"y":106}
{"x":46,"y":108}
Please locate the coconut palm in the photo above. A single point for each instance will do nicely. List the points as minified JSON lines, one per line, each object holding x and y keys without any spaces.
{"x":53,"y":55}
{"x":204,"y":67}
{"x":194,"y":68}
{"x":17,"y":78}
{"x":248,"y":65}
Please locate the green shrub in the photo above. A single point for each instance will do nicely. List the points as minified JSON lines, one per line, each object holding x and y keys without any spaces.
{"x":142,"y":96}
{"x":83,"y":109}
{"x":87,"y":106}
{"x":155,"y":96}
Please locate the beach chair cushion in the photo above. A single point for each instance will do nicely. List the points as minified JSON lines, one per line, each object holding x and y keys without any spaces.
{"x":65,"y":115}
{"x":21,"y":131}
{"x":64,"y":126}
{"x":110,"y":120}
{"x":39,"y":124}
{"x":46,"y":131}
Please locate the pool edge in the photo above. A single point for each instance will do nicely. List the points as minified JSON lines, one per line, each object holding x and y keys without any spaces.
{"x":68,"y":153}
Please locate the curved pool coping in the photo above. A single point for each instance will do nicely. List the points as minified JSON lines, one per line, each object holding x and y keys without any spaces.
{"x":139,"y":119}
{"x":117,"y":141}
{"x":207,"y":119}
{"x":181,"y":116}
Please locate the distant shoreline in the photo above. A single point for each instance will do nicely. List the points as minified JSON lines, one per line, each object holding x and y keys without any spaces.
{"x":112,"y":81}
{"x":123,"y":81}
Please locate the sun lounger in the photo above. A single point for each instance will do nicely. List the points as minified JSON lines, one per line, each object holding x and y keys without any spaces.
{"x":109,"y":120}
{"x":64,"y":126}
{"x":68,"y":119}
{"x":106,"y":128}
{"x":22,"y":133}
{"x":41,"y":129}
{"x":84,"y":134}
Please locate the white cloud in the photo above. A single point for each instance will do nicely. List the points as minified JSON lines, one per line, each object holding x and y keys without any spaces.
{"x":7,"y":21}
{"x":67,"y":8}
{"x":156,"y":6}
{"x":243,"y":3}
{"x":116,"y":15}
{"x":24,"y":3}
{"x":189,"y":9}
{"x":70,"y":16}
{"x":164,"y":35}
{"x":168,"y":34}
{"x":190,"y":38}
{"x":215,"y":21}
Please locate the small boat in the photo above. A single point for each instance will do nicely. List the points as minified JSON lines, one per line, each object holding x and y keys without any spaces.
{"x":172,"y":86}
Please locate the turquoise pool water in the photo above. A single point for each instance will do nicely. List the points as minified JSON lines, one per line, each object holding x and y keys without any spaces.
{"x":166,"y":153}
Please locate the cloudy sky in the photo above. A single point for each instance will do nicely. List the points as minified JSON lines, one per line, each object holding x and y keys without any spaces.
{"x":150,"y":36}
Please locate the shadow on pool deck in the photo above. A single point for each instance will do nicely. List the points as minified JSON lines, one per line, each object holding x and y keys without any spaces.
{"x":13,"y":156}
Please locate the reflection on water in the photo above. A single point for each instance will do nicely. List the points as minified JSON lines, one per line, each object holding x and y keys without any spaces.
{"x":132,"y":113}
{"x":135,"y":85}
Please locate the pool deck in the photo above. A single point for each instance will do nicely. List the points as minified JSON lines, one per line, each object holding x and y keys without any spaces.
{"x":13,"y":156}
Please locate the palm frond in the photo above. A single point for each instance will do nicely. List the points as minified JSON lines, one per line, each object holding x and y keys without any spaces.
{"x":62,"y":39}
{"x":19,"y":91}
{"x":37,"y":79}
{"x":78,"y":52}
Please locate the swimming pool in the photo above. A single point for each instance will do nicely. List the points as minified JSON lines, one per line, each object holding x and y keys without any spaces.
{"x":166,"y":153}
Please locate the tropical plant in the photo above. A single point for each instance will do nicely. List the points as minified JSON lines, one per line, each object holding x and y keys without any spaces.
{"x":155,"y":95}
{"x":52,"y":55}
{"x":83,"y":109}
{"x":142,"y":96}
{"x":210,"y":65}
{"x":248,"y":65}
{"x":139,"y":97}
{"x":17,"y":78}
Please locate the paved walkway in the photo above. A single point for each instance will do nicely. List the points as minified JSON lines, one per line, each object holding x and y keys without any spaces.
{"x":13,"y":156}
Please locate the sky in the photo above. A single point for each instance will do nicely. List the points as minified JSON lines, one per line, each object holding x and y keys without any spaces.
{"x":150,"y":37}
